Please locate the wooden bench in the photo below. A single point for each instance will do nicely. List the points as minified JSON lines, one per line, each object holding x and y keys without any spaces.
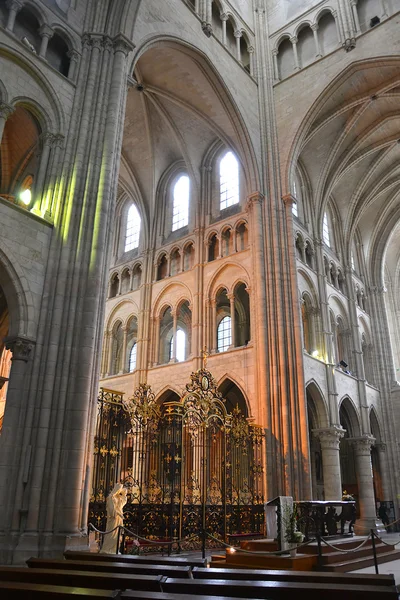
{"x":299,"y":576}
{"x":183,"y":572}
{"x":34,"y":591}
{"x":165,"y":596}
{"x":84,"y":579}
{"x":126,"y":558}
{"x":277,"y":590}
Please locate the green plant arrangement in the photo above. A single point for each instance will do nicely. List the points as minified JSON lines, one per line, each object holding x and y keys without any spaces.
{"x":292,"y":534}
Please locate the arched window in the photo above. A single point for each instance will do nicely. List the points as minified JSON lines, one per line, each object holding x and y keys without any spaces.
{"x":325,"y":231}
{"x":180,"y":354}
{"x":229,"y":181}
{"x":180,"y":345}
{"x":132,"y":358}
{"x":224,"y":334}
{"x":132,"y":234}
{"x":180,"y":211}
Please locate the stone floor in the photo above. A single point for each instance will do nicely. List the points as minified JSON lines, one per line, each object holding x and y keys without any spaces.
{"x":389,"y":567}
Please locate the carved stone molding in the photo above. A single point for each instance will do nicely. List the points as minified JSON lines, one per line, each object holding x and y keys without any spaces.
{"x":363,"y":444}
{"x":20,"y":347}
{"x":6,"y":110}
{"x":207,"y":29}
{"x":330,"y":437}
{"x":289,"y":199}
{"x":46,"y":31}
{"x":256,"y":198}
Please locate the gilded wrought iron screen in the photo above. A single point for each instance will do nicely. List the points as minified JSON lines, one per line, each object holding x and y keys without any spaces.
{"x":187,"y":465}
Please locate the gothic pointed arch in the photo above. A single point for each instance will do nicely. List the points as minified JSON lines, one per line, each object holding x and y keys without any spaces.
{"x":234,"y":396}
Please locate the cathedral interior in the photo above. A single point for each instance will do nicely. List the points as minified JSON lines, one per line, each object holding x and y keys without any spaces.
{"x":205,"y":187}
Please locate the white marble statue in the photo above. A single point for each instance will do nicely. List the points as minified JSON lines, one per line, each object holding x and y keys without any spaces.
{"x":116,"y":501}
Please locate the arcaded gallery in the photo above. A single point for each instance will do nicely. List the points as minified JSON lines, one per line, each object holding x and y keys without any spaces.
{"x":199,"y":290}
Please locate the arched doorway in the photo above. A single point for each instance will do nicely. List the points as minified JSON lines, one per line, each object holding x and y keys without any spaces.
{"x":317,"y":419}
{"x":350,"y":422}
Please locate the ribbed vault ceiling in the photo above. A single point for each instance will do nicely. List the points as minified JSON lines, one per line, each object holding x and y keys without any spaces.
{"x":351,"y":154}
{"x":176,"y":112}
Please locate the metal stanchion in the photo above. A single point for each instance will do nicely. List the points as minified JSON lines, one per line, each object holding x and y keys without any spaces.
{"x":203,"y":545}
{"x":118,"y":536}
{"x":374,"y":551}
{"x":319,"y":563}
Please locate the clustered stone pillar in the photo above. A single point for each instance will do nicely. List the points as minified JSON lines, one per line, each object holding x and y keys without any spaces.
{"x":366,"y":496}
{"x":14,"y":6}
{"x":330,"y":446}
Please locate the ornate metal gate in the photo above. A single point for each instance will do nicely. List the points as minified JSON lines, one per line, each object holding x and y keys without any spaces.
{"x":187,"y":465}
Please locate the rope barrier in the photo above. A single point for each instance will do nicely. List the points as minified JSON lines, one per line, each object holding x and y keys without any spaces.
{"x":156,"y":542}
{"x":386,"y":543}
{"x":258,"y":552}
{"x":341,"y":549}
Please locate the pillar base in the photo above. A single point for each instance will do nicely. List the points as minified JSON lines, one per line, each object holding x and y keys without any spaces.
{"x":364,"y":526}
{"x":16,"y":549}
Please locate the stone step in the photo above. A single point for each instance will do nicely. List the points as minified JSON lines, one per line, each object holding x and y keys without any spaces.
{"x":332,"y":557}
{"x":343,"y":544}
{"x":361,"y":563}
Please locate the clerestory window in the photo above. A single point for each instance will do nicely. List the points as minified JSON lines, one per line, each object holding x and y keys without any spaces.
{"x":229,"y":180}
{"x":180,"y":211}
{"x":132,"y":233}
{"x":325,"y":231}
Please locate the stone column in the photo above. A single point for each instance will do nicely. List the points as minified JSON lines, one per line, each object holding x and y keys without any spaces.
{"x":238,"y":35}
{"x":224,"y":18}
{"x":314,"y":28}
{"x":21,"y":349}
{"x":124,"y":345}
{"x":110,"y":353}
{"x":47,"y":140}
{"x":276,"y":68}
{"x":295,"y":54}
{"x":174,"y":329}
{"x":46,"y":33}
{"x":355,"y":15}
{"x":330,"y":445}
{"x":338,"y":28}
{"x":250,"y":50}
{"x":383,"y":469}
{"x":14,"y":7}
{"x":6,"y":110}
{"x":231,"y":299}
{"x":366,"y":497}
{"x":157,"y":333}
{"x":213,"y":331}
{"x":73,"y":56}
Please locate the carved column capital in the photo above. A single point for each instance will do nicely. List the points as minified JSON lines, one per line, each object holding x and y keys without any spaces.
{"x":381,"y":448}
{"x":330,"y":437}
{"x":73,"y":55}
{"x":256,"y":198}
{"x":315,"y":26}
{"x":6,"y":110}
{"x":238,"y":33}
{"x":123,"y":44}
{"x":224,"y":17}
{"x":46,"y":31}
{"x":294,"y":39}
{"x":250,"y":49}
{"x":207,"y":28}
{"x":20,"y":347}
{"x":363,"y":444}
{"x":289,"y":199}
{"x":15,"y":5}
